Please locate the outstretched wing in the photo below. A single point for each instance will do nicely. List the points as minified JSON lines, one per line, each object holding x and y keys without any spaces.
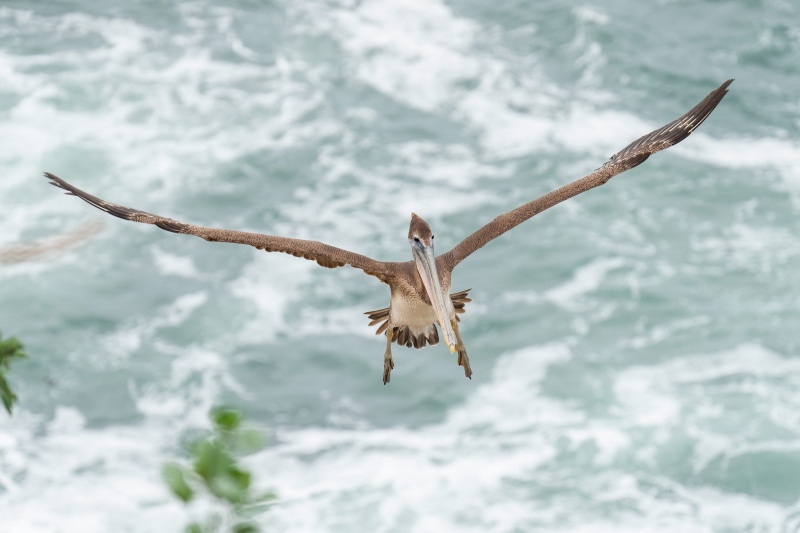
{"x":632,"y":155}
{"x":323,"y":254}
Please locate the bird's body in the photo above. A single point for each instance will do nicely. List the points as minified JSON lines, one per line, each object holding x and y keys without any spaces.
{"x":420,"y":289}
{"x":409,"y":309}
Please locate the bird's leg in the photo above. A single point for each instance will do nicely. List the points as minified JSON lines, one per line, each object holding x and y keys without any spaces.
{"x":388,"y":364}
{"x":463,"y":360}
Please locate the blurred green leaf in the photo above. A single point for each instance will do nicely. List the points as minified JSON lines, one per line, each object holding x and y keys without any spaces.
{"x":245,"y":527}
{"x":10,"y":349}
{"x":232,"y":485}
{"x":215,"y":469}
{"x":256,"y":505}
{"x":211,"y":459}
{"x":241,"y":478}
{"x":249,"y":441}
{"x":226,"y":419}
{"x":6,"y":394}
{"x":175,"y":477}
{"x":194,"y":527}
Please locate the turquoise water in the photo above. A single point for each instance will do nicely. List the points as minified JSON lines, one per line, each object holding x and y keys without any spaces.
{"x":635,"y":349}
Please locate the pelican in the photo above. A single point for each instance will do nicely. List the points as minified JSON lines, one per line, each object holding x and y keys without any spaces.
{"x":420,"y":289}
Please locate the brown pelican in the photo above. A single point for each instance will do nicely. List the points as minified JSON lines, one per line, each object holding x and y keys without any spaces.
{"x":420,"y":288}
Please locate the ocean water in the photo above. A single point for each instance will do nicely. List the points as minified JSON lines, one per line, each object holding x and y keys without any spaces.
{"x":635,"y":349}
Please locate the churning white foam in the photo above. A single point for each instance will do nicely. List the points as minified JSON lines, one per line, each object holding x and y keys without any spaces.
{"x":480,"y":467}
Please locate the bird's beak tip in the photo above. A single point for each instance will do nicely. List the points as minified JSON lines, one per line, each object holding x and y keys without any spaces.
{"x":452,"y":348}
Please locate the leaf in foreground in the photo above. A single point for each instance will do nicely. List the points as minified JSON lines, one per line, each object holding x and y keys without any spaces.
{"x":175,"y":477}
{"x":10,"y":349}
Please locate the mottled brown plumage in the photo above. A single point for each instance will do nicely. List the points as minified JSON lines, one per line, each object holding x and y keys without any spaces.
{"x":419,"y":288}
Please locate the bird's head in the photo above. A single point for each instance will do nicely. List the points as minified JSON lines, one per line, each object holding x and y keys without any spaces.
{"x":419,"y":232}
{"x":420,"y":237}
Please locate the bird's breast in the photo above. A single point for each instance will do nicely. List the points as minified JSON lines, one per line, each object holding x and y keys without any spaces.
{"x":410,"y":311}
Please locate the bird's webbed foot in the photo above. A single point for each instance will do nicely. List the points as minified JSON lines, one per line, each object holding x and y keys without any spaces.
{"x":388,"y":362}
{"x":463,"y":360}
{"x":388,"y":365}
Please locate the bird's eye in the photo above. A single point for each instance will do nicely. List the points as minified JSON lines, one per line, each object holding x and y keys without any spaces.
{"x":416,"y":239}
{"x":432,"y":236}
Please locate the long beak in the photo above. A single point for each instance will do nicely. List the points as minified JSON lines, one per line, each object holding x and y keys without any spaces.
{"x":426,"y":266}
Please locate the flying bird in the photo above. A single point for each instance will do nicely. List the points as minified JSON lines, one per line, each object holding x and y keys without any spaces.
{"x":420,"y":288}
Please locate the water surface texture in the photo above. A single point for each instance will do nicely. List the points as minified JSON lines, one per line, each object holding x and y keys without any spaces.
{"x":636,"y":356}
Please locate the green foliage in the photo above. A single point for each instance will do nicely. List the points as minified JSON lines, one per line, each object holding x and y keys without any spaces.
{"x":175,"y":477}
{"x":10,"y":349}
{"x":226,"y":419}
{"x":214,"y":472}
{"x":245,"y":528}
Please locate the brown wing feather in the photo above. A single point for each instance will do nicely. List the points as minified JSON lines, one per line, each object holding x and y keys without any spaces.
{"x":632,"y":155}
{"x":323,"y":254}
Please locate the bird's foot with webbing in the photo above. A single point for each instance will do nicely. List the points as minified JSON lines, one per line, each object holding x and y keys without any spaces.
{"x":463,"y":360}
{"x":388,"y":363}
